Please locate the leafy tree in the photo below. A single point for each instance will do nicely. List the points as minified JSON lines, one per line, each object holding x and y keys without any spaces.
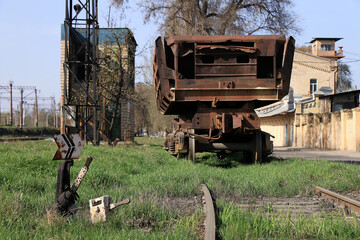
{"x":344,"y":81}
{"x":215,"y":17}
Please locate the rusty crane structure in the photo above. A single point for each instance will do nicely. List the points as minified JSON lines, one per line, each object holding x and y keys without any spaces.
{"x":213,"y":84}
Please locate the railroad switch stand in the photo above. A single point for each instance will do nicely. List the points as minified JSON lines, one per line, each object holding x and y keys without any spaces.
{"x":65,"y":195}
{"x":101,"y":206}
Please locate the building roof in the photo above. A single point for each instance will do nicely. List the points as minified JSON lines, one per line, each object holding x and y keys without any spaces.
{"x":341,"y":93}
{"x":286,"y":105}
{"x":325,"y":38}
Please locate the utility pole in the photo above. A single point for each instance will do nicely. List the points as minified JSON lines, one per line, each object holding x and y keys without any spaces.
{"x":24,"y":114}
{"x":54,"y":112}
{"x":21,"y":88}
{"x":11,"y":106}
{"x":21,"y":108}
{"x":36,"y":108}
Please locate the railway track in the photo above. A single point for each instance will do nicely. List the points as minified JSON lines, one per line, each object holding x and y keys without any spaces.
{"x":209,"y":213}
{"x":350,"y":205}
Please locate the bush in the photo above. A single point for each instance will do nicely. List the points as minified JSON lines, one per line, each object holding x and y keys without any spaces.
{"x":28,"y":131}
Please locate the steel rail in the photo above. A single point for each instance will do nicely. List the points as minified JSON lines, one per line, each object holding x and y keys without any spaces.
{"x":209,"y":213}
{"x":342,"y":201}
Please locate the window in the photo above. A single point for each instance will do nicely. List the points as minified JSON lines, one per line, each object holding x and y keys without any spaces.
{"x":313,"y":85}
{"x":326,"y":47}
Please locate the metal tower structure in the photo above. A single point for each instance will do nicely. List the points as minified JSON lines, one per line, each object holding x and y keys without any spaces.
{"x":79,"y":97}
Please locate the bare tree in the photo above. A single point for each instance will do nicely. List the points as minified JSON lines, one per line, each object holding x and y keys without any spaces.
{"x":344,"y":81}
{"x":119,"y":3}
{"x":146,"y":114}
{"x":143,"y":97}
{"x":216,"y":17}
{"x":304,"y":48}
{"x":116,"y":76}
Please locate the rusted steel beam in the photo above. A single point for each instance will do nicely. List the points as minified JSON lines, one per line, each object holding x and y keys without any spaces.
{"x":248,"y":146}
{"x":237,"y":83}
{"x":208,"y":95}
{"x":209,"y":213}
{"x":223,"y":38}
{"x":344,"y":202}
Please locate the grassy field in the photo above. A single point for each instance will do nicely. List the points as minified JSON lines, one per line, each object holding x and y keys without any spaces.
{"x":162,"y":190}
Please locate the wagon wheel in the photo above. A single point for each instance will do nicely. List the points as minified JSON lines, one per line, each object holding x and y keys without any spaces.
{"x":191,"y":155}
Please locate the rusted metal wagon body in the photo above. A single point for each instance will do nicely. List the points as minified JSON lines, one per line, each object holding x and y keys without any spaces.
{"x":214,"y":83}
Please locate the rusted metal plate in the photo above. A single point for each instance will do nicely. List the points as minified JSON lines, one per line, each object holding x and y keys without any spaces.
{"x":69,"y":146}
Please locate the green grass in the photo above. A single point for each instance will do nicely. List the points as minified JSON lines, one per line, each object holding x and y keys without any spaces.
{"x":144,"y":173}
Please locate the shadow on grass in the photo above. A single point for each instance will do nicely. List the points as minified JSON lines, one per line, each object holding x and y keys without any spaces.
{"x":232,"y":160}
{"x":272,"y":159}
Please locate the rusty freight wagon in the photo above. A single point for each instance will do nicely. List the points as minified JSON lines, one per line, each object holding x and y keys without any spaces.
{"x":213,"y":84}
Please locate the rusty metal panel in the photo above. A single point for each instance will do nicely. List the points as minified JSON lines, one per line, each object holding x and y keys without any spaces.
{"x":287,"y":64}
{"x":222,"y":38}
{"x":231,"y":94}
{"x":69,"y":146}
{"x":230,"y":68}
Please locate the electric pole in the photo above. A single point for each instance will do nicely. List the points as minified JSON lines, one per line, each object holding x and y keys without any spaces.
{"x":11,"y":106}
{"x":21,"y":108}
{"x":36,"y":108}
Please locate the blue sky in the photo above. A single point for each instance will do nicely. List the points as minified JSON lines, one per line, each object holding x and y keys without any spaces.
{"x":30,"y":36}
